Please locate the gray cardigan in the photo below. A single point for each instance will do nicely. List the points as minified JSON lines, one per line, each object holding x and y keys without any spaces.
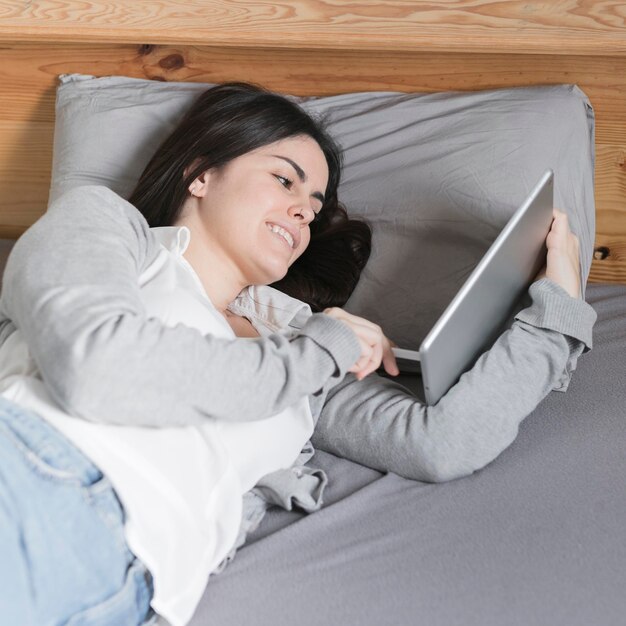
{"x":71,"y":286}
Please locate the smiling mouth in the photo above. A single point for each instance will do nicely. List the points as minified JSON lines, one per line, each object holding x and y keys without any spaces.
{"x":281,"y":233}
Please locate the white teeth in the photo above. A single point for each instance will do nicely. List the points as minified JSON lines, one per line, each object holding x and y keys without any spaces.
{"x":281,"y":231}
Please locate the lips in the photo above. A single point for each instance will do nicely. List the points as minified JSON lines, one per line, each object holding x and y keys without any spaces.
{"x":294,"y":232}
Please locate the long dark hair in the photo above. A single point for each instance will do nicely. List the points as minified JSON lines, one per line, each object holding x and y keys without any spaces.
{"x":228,"y":121}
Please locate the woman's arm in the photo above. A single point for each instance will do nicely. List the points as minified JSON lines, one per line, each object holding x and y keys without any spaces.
{"x":71,"y":287}
{"x":378,"y":423}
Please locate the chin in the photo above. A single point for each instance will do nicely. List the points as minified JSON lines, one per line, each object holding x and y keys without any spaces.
{"x":276,"y":279}
{"x":273,"y":276}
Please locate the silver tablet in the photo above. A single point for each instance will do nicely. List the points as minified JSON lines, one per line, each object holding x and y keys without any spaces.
{"x":474,"y":319}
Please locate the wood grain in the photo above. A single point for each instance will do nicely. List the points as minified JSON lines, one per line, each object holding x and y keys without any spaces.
{"x":565,"y":27}
{"x":611,"y":178}
{"x":611,"y":269}
{"x":27,"y":70}
{"x":25,"y":162}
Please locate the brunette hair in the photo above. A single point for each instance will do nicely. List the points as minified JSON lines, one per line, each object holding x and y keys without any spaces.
{"x":228,"y":121}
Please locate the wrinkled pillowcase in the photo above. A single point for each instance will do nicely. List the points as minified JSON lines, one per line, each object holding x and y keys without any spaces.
{"x":436,"y":175}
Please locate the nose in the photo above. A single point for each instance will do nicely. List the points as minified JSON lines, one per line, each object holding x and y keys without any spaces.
{"x":302,"y":213}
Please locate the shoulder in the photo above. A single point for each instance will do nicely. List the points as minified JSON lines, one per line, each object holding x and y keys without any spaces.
{"x":95,"y":200}
{"x":95,"y":212}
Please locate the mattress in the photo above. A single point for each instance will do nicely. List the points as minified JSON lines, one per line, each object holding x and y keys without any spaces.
{"x":536,"y":537}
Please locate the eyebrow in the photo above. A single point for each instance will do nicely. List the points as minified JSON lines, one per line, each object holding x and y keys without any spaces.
{"x":301,"y":175}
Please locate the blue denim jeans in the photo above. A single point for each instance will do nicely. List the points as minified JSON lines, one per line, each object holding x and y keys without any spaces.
{"x":63,"y":555}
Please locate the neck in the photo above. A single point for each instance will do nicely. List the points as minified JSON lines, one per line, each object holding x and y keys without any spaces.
{"x":219,"y":276}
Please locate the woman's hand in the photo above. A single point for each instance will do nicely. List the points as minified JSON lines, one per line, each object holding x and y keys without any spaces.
{"x":563,"y":262}
{"x":375,"y":347}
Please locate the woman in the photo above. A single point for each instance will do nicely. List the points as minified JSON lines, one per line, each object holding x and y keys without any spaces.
{"x":156,"y":365}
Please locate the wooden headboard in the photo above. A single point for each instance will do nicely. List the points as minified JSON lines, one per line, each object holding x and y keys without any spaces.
{"x":313,"y":47}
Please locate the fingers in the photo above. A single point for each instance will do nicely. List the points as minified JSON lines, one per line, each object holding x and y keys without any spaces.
{"x":560,"y":234}
{"x":389,"y":359}
{"x":377,"y":354}
{"x":375,"y":347}
{"x":560,"y":224}
{"x":371,"y":356}
{"x":563,"y":260}
{"x":373,"y":363}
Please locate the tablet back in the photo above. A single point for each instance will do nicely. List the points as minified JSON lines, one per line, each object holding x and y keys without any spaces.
{"x":473,"y":320}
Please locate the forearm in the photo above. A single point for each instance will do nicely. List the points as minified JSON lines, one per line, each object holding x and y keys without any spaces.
{"x":378,"y":423}
{"x":236,"y":380}
{"x":71,"y":287}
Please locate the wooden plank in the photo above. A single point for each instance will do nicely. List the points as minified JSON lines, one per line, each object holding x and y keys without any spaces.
{"x":609,"y":263}
{"x":520,"y":26}
{"x":28,"y":73}
{"x":25,"y":165}
{"x":26,"y":150}
{"x":611,"y":177}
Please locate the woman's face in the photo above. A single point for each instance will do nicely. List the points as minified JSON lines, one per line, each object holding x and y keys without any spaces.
{"x":256,"y":210}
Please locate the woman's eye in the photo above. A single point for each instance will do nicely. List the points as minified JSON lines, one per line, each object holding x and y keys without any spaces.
{"x":284,"y":181}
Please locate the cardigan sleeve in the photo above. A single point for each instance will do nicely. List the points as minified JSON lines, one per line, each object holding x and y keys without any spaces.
{"x":71,"y":286}
{"x":378,"y":422}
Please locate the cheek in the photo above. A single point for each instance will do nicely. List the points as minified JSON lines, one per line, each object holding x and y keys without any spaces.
{"x":304,"y":244}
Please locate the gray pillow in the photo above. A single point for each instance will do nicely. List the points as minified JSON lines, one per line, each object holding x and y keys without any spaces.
{"x":436,"y":175}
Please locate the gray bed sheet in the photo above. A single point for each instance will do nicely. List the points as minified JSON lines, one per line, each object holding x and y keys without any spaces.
{"x":538,"y":537}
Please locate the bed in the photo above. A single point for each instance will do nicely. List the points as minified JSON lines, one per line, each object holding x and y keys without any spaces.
{"x":536,"y":537}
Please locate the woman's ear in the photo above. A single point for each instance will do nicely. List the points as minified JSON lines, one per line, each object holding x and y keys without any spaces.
{"x":198,"y":187}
